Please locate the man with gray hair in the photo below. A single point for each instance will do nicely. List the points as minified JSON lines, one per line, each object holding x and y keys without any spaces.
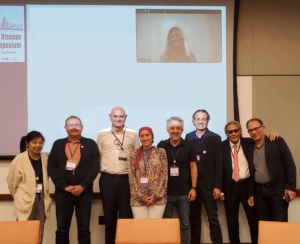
{"x":238,"y":184}
{"x":182,"y":175}
{"x":238,"y":181}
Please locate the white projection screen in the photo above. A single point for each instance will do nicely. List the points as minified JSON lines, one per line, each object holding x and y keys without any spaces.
{"x":85,"y":58}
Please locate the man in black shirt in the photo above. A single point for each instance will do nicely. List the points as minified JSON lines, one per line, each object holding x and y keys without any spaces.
{"x":73,"y":165}
{"x":208,"y":148}
{"x":182,"y":175}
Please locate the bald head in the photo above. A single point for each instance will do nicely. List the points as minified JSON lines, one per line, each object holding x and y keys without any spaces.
{"x":118,"y":110}
{"x":117,"y":118}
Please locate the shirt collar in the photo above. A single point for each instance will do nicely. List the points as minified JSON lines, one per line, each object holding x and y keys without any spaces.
{"x":124,"y":128}
{"x":182,"y":142}
{"x":69,"y":140}
{"x":260,"y":145}
{"x":237,"y":144}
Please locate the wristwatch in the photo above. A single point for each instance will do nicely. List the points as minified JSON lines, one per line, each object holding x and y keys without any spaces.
{"x":194,"y":187}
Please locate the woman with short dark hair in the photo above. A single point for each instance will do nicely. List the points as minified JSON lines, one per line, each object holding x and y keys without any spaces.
{"x":28,"y":180}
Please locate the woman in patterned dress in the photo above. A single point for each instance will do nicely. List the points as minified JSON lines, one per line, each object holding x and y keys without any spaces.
{"x":148,"y":178}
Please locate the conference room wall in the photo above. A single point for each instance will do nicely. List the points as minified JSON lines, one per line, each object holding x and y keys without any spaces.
{"x":268,"y":51}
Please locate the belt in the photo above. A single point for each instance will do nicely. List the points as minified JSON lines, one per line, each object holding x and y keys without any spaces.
{"x":116,"y":176}
{"x":241,"y":180}
{"x":264,"y":185}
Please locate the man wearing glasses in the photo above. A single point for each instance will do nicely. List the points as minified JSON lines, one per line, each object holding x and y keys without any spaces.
{"x":73,"y":165}
{"x":274,"y":173}
{"x":115,"y":144}
{"x":208,"y":148}
{"x":237,"y":183}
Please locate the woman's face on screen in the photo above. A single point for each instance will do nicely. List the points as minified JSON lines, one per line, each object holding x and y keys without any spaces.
{"x":175,"y":38}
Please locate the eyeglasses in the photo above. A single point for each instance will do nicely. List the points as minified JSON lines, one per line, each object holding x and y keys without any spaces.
{"x":77,"y":126}
{"x":254,"y":129}
{"x":231,"y":131}
{"x":119,"y":146}
{"x":201,"y":119}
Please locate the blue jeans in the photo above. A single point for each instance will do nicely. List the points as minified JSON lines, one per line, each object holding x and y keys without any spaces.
{"x":182,"y":205}
{"x":65,"y":203}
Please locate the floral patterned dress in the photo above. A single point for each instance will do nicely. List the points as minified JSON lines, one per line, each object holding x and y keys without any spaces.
{"x":154,"y":166}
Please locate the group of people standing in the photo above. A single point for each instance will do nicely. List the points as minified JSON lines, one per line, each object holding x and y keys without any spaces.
{"x":150,"y":182}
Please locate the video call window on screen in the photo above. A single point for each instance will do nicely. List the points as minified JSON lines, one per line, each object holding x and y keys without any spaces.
{"x":181,"y":36}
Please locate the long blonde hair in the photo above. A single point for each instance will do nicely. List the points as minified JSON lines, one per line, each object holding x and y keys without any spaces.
{"x":184,"y":50}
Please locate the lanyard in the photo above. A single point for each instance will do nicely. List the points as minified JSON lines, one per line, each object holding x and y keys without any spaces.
{"x":72,"y":154}
{"x":119,"y":142}
{"x":36,"y":172}
{"x":174,"y":158}
{"x":146,"y":161}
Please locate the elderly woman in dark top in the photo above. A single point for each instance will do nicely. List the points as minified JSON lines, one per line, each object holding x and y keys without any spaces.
{"x":148,"y":178}
{"x":177,"y":48}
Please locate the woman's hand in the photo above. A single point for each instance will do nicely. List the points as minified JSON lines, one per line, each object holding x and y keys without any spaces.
{"x":149,"y":200}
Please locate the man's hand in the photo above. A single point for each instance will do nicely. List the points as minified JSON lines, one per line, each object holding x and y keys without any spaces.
{"x":291,"y":194}
{"x":216,"y":193}
{"x":69,"y":188}
{"x":192,"y":195}
{"x":273,"y":135}
{"x":77,"y":190}
{"x":222,"y":196}
{"x":251,"y":201}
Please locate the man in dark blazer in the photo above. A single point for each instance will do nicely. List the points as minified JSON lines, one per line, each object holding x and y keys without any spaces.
{"x":274,"y":173}
{"x":73,"y":164}
{"x":239,"y":189}
{"x":208,"y":148}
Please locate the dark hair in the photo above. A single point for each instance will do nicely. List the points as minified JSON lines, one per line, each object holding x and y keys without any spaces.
{"x":28,"y":138}
{"x":254,"y":119}
{"x":233,"y":122}
{"x":72,"y":117}
{"x":203,"y":111}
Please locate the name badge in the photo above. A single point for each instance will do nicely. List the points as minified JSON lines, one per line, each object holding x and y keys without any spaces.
{"x":144,"y":182}
{"x":70,"y":166}
{"x":174,"y":171}
{"x":39,"y":188}
{"x":122,"y":156}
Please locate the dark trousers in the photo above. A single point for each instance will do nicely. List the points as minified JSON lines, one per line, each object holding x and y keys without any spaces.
{"x":65,"y":203}
{"x":206,"y":196}
{"x":239,"y":193}
{"x":115,"y":194}
{"x":270,"y":206}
